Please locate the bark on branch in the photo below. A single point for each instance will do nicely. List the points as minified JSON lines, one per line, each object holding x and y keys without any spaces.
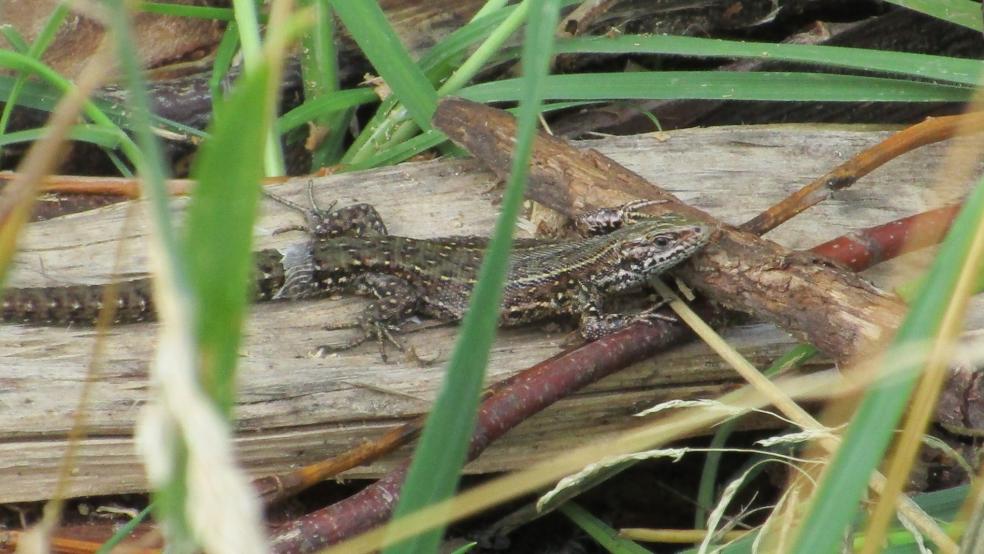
{"x":837,"y":311}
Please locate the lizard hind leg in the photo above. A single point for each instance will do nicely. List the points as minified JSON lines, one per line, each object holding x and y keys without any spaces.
{"x":394,"y":300}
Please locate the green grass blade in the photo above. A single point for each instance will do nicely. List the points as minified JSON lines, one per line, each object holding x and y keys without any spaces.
{"x":402,"y":151}
{"x":29,"y":65}
{"x":93,"y":134}
{"x":387,"y":128}
{"x":486,"y":50}
{"x":366,"y":144}
{"x":439,"y":61}
{"x":44,"y":95}
{"x":465,"y":548}
{"x":248,"y":25}
{"x":430,"y":139}
{"x":14,"y":38}
{"x":871,"y":429}
{"x":442,"y":65}
{"x":171,"y":489}
{"x":706,"y":491}
{"x":942,"y":505}
{"x":319,"y":67}
{"x":36,"y":50}
{"x":367,"y":24}
{"x":443,"y":445}
{"x":725,"y":85}
{"x":34,"y":94}
{"x":228,"y":170}
{"x":961,"y":12}
{"x":124,"y":531}
{"x":224,"y":55}
{"x":183,"y":10}
{"x":247,"y":22}
{"x":603,"y":534}
{"x":149,"y":161}
{"x":326,"y":104}
{"x":185,"y":440}
{"x":123,"y":169}
{"x":436,"y":64}
{"x":925,"y":66}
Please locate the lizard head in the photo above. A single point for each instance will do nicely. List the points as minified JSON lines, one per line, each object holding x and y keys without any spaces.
{"x":651,"y":246}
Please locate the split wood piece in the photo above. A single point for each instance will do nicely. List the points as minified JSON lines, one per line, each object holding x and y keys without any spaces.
{"x":518,"y":398}
{"x":269,"y":442}
{"x":840,"y":313}
{"x":293,"y":410}
{"x":843,"y":176}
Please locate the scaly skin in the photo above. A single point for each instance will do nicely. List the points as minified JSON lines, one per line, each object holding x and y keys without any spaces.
{"x":81,"y":304}
{"x":434,"y":277}
{"x":545,"y":279}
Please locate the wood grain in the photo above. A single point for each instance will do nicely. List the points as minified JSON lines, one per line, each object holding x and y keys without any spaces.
{"x":294,"y":409}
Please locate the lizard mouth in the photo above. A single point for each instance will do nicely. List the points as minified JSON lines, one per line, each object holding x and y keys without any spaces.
{"x":698,"y":235}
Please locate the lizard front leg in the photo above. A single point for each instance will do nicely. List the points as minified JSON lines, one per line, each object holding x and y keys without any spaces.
{"x":395,"y":300}
{"x":595,"y":324}
{"x":357,"y":220}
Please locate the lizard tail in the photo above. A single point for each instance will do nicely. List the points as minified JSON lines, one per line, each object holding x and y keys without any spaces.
{"x":133,"y":300}
{"x":78,"y":304}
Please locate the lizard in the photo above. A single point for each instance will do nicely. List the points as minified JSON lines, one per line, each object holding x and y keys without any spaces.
{"x":351,"y":251}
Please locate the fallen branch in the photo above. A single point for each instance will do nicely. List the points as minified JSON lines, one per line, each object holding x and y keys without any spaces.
{"x":838,"y":312}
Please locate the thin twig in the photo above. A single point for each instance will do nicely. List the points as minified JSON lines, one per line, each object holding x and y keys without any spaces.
{"x":843,"y":176}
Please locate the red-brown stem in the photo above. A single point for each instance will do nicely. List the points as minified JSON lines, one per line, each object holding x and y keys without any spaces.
{"x":867,"y":247}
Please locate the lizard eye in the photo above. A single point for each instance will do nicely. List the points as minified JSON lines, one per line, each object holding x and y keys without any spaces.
{"x":662,"y":241}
